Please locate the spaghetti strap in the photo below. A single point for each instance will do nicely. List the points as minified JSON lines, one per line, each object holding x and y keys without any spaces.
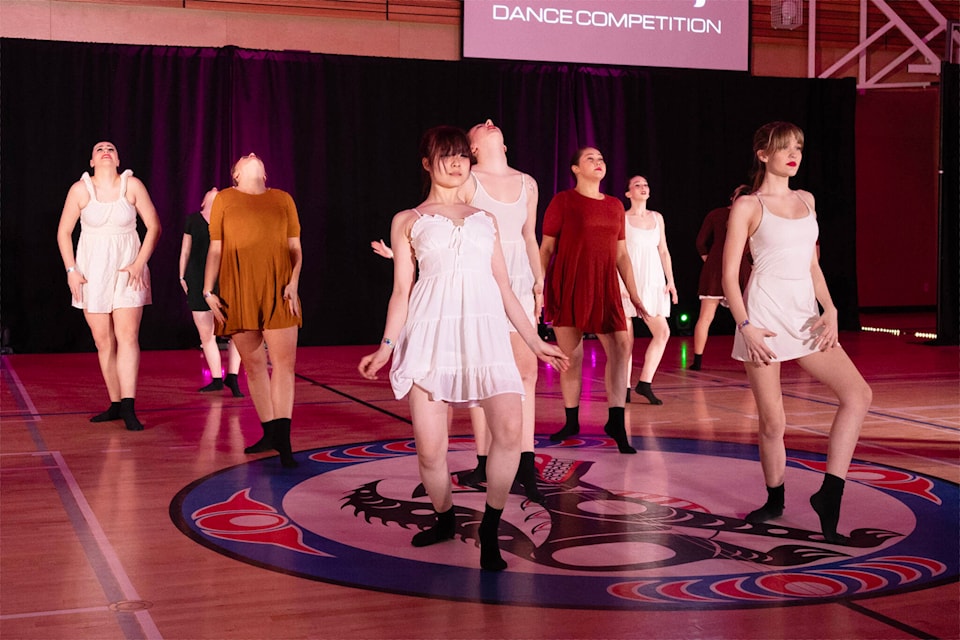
{"x":809,"y":208}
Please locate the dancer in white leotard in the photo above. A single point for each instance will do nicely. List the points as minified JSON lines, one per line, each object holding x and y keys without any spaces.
{"x":108,"y":277}
{"x":447,"y":333}
{"x":778,"y":319}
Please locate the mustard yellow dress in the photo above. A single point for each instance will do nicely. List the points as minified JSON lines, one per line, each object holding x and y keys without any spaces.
{"x":255,"y":261}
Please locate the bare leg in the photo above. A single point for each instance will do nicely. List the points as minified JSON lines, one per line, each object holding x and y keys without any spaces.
{"x":283,"y":355}
{"x":835,"y":369}
{"x":629,"y":347}
{"x":615,"y":346}
{"x":254,"y":357}
{"x":615,"y":373}
{"x":660,"y":329}
{"x":708,"y":311}
{"x":570,"y":341}
{"x":765,"y":384}
{"x":504,"y":415}
{"x":208,"y":341}
{"x":432,"y":441}
{"x":101,"y":327}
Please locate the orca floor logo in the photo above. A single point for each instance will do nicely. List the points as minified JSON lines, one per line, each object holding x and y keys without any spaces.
{"x":662,"y":529}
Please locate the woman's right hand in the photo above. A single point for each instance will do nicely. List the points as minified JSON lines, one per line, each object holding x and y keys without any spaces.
{"x":216,"y":306}
{"x":183,"y":285}
{"x":381,"y":249}
{"x":755,"y":340}
{"x":370,"y":364}
{"x":76,"y":280}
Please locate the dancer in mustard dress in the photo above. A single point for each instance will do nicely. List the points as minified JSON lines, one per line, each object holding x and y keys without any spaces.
{"x":778,"y":320}
{"x":255,"y":252}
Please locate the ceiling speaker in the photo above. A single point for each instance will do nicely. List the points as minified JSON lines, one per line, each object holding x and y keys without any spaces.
{"x":786,"y":14}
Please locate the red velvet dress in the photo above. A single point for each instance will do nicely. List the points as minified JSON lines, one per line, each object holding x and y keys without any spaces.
{"x":582,"y":288}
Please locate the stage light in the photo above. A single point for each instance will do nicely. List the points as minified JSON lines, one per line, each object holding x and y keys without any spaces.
{"x":682,"y":321}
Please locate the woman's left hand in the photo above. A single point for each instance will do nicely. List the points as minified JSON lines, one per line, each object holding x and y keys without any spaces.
{"x":290,"y":295}
{"x":551,"y":354}
{"x":134,"y":273}
{"x":672,"y":290}
{"x":642,"y":310}
{"x":216,"y":306}
{"x":827,"y":331}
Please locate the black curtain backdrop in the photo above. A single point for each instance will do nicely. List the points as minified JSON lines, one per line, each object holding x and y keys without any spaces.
{"x":340,"y":134}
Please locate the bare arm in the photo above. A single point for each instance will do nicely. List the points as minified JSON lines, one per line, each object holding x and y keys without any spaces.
{"x":666,"y":261}
{"x":404,"y":274}
{"x":68,"y":222}
{"x":625,"y":269}
{"x":139,"y":198}
{"x":548,"y":244}
{"x":291,"y":288}
{"x":529,"y":233}
{"x":515,"y":312}
{"x":743,"y":221}
{"x":210,"y":274}
{"x":185,"y":247}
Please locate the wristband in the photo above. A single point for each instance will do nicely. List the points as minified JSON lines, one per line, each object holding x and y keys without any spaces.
{"x":388,"y":342}
{"x":745,"y":322}
{"x":71,"y":269}
{"x":207,"y":294}
{"x":182,"y":278}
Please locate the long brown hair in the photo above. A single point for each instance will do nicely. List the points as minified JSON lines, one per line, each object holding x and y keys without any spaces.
{"x":771,"y":137}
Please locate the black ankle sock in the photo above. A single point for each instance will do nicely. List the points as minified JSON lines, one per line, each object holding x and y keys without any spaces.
{"x":772,"y":508}
{"x":571,"y":427}
{"x":643,"y":388}
{"x":281,"y":443}
{"x":826,"y":502}
{"x":628,"y":395}
{"x":113,"y":413}
{"x":129,"y":416}
{"x":441,"y":531}
{"x":490,"y":558}
{"x":480,"y":473}
{"x":233,"y":383}
{"x":615,"y":429}
{"x":697,"y":362}
{"x":527,"y":477}
{"x":265,"y":443}
{"x":215,"y":385}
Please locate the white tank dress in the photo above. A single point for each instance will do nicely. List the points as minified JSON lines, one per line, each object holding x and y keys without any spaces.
{"x":510,"y":219}
{"x":648,"y":275}
{"x":108,"y":242}
{"x":779,"y":295}
{"x":455,"y":343}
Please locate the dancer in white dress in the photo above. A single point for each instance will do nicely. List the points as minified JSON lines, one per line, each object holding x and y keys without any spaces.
{"x":449,"y":338}
{"x":646,"y":240}
{"x":778,"y":320}
{"x":108,"y":276}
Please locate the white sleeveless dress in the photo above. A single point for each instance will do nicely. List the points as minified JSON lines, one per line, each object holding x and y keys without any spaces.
{"x":456,"y":343}
{"x":648,"y":275}
{"x":779,"y":295}
{"x":108,"y":242}
{"x":510,"y":219}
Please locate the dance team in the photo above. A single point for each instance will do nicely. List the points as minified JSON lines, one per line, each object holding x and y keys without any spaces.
{"x":470,"y":284}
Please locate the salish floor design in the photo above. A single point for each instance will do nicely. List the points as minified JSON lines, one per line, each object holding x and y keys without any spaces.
{"x":174,"y":533}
